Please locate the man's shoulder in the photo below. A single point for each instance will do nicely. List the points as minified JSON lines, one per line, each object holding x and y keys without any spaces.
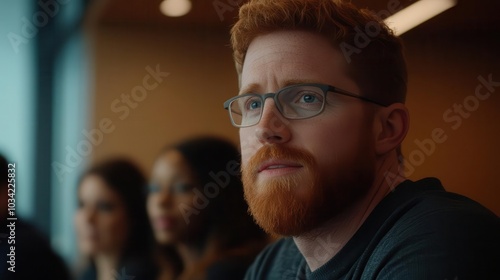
{"x":430,"y":205}
{"x":276,"y":261}
{"x":420,"y":231}
{"x":433,"y":213}
{"x":435,"y":234}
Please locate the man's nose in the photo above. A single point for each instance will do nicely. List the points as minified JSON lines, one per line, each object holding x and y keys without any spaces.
{"x":273,"y":128}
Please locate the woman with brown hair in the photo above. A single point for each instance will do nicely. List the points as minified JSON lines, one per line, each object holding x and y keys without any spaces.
{"x":197,"y":209}
{"x":112,"y":224}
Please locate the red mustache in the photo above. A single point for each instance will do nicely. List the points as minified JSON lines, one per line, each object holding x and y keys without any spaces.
{"x":270,"y":152}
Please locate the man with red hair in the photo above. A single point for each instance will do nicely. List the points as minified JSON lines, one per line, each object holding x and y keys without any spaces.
{"x":322,"y":117}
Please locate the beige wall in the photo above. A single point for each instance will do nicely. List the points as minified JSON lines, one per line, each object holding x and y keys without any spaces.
{"x":189,"y":101}
{"x":444,"y":71}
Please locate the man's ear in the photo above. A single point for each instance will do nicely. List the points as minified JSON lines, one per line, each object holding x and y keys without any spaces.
{"x":394,"y":122}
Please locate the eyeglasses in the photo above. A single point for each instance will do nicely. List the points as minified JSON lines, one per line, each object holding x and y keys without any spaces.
{"x":295,"y":102}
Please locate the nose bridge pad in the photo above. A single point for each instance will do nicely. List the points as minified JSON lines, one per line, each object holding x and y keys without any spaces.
{"x":273,"y":124}
{"x":269,"y":110}
{"x":274,"y":98}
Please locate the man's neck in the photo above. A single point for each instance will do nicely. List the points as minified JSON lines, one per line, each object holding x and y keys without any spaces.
{"x":322,"y":244}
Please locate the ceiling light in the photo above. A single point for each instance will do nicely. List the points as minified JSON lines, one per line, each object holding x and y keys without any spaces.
{"x":175,"y":8}
{"x":417,"y":13}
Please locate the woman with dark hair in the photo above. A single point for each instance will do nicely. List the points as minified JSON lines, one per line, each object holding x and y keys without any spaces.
{"x":196,"y":206}
{"x":112,"y":224}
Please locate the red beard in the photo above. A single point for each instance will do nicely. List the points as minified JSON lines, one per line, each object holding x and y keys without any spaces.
{"x":296,"y":203}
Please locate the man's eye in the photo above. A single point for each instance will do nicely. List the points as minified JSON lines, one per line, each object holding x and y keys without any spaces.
{"x":254,"y":104}
{"x":308,"y":98}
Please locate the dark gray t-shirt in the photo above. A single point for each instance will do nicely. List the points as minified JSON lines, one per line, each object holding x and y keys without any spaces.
{"x":418,"y":231}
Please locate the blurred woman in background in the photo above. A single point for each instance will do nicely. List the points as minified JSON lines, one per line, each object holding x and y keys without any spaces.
{"x":112,"y":224}
{"x":199,"y":214}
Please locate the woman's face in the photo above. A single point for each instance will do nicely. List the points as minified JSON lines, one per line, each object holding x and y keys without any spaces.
{"x":173,"y":205}
{"x":101,"y":219}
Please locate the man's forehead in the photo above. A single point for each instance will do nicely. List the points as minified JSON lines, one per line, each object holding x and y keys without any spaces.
{"x":288,"y":57}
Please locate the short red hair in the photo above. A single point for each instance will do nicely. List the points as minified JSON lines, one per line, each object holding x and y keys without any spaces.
{"x":378,"y":68}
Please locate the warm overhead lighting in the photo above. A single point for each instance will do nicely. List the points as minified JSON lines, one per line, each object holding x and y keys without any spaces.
{"x":417,"y":13}
{"x":175,"y":8}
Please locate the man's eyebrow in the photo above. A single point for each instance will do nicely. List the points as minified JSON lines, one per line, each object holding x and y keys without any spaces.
{"x":255,"y":88}
{"x":251,"y":88}
{"x":291,"y":82}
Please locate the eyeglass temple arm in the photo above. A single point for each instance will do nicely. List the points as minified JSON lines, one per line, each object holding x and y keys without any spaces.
{"x":344,"y":92}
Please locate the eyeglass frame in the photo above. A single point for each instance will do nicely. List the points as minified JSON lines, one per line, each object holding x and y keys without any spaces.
{"x":325,"y":88}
